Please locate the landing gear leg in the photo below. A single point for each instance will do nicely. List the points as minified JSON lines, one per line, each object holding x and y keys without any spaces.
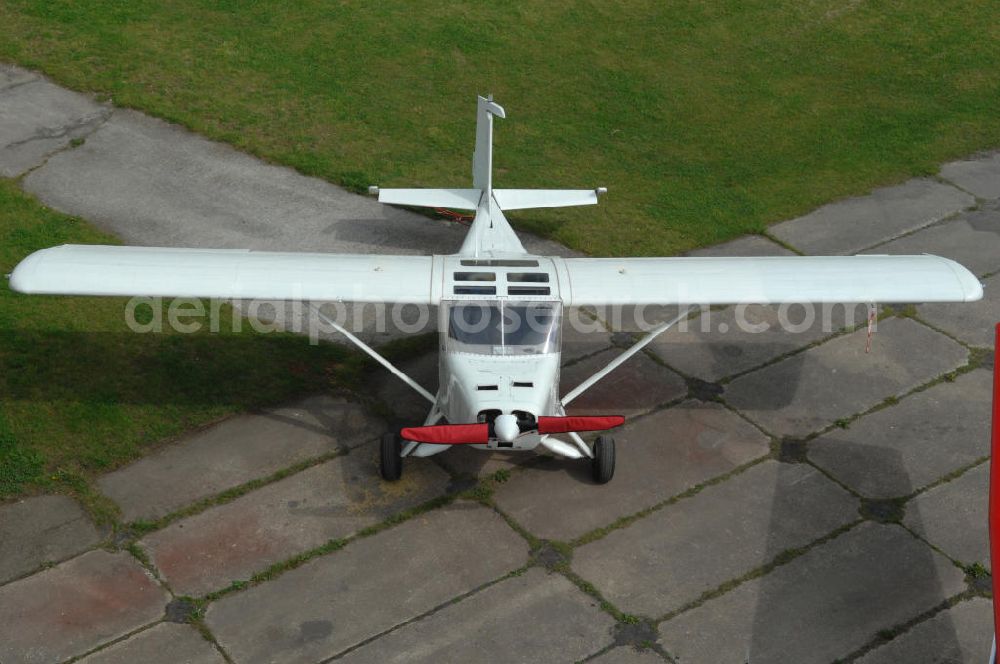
{"x":391,"y":459}
{"x":603,"y":463}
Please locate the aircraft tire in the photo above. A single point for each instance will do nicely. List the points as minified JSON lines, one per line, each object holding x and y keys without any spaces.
{"x":603,"y":463}
{"x":390,"y":461}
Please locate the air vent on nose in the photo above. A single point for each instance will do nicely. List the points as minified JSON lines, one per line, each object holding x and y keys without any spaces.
{"x":498,"y":263}
{"x":475,"y":290}
{"x":483,"y":388}
{"x":528,"y":277}
{"x":475,"y":276}
{"x":527,"y":290}
{"x":523,"y":384}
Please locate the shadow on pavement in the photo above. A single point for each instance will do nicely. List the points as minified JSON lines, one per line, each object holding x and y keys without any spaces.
{"x":851,"y":590}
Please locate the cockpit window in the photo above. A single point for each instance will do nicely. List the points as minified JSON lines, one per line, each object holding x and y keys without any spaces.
{"x":507,"y":328}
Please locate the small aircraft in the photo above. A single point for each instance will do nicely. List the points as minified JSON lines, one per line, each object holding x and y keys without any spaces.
{"x":500,"y":308}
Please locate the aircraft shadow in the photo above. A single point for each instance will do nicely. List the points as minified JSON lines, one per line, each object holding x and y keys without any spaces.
{"x":813,"y":596}
{"x":124,"y":367}
{"x":400,"y":231}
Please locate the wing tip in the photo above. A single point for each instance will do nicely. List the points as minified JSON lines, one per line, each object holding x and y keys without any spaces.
{"x":972,"y":288}
{"x":21,"y":278}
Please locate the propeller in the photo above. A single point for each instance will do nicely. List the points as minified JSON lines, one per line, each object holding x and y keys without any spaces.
{"x":448,"y":434}
{"x":580,"y":423}
{"x":464,"y":434}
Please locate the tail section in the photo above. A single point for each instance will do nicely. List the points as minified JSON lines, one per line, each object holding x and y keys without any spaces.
{"x":490,"y":232}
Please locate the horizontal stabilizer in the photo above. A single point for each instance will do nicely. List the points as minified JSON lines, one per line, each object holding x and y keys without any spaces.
{"x":462,"y":199}
{"x":522,"y":199}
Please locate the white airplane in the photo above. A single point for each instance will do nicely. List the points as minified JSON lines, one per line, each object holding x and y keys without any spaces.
{"x":500,"y":307}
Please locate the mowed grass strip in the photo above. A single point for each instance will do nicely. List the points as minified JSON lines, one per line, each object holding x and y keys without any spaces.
{"x":81,"y":393}
{"x":705,"y":119}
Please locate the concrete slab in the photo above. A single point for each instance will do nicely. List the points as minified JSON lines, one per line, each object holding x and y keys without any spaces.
{"x":638,"y":386}
{"x":959,"y":635}
{"x":154,"y":183}
{"x":896,"y":451}
{"x":980,"y":176}
{"x":406,"y":406}
{"x":545,"y":618}
{"x":853,"y":224}
{"x":372,"y":585}
{"x":627,"y":655}
{"x":235,"y":451}
{"x":973,"y":322}
{"x":463,"y":460}
{"x":39,"y":530}
{"x":658,"y":564}
{"x":724,"y":342}
{"x":166,"y":643}
{"x":75,"y":607}
{"x":38,"y":118}
{"x":659,"y":456}
{"x":972,"y":239}
{"x":329,"y":501}
{"x":636,"y":319}
{"x":953,"y":516}
{"x":582,"y":335}
{"x":811,"y":390}
{"x":821,"y":606}
{"x":748,"y":245}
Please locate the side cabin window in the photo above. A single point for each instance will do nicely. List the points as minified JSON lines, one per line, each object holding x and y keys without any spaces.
{"x":502,"y":328}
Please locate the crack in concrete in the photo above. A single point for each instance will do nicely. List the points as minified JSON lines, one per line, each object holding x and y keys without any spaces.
{"x":19,"y":84}
{"x":71,"y":128}
{"x":102,"y":117}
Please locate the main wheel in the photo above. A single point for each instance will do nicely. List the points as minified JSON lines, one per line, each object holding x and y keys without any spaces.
{"x":390,"y":461}
{"x":603,"y":463}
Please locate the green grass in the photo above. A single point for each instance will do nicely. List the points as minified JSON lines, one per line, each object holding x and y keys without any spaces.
{"x":80,"y":393}
{"x":705,"y":119}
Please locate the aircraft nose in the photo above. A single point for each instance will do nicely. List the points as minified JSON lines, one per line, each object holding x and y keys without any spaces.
{"x":506,"y":429}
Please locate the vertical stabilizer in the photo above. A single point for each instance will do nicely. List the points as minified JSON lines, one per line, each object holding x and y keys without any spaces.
{"x":482,"y":158}
{"x":490,"y":232}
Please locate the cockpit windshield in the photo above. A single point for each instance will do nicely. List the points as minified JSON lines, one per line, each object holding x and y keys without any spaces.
{"x":502,"y":328}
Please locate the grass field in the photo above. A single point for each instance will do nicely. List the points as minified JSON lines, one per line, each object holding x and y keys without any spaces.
{"x":80,"y":393}
{"x":705,"y":119}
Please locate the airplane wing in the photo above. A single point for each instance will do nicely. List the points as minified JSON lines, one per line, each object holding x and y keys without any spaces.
{"x":779,"y":279}
{"x":224,"y":273}
{"x":243,"y":274}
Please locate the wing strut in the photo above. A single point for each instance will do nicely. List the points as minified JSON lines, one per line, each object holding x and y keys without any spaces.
{"x":374,"y":354}
{"x":615,"y":363}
